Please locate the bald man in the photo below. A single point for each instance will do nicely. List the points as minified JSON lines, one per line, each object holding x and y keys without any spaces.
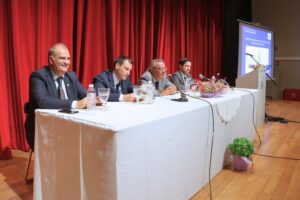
{"x":53,"y":87}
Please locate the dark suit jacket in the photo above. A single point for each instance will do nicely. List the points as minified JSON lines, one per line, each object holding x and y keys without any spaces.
{"x":177,"y":79}
{"x":106,"y":80}
{"x":43,"y":95}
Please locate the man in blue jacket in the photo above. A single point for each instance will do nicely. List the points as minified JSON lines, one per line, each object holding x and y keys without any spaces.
{"x":53,"y":87}
{"x":118,"y":80}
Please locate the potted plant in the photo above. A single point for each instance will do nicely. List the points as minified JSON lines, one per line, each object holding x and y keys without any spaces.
{"x":242,"y":149}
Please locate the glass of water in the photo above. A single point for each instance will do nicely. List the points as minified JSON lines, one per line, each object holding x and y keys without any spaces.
{"x":138,"y":91}
{"x":103,"y":94}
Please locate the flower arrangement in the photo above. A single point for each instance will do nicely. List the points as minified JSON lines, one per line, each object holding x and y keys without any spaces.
{"x":212,"y":87}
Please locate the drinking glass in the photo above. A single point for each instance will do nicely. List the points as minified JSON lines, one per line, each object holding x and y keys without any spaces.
{"x":137,"y":90}
{"x":103,"y":94}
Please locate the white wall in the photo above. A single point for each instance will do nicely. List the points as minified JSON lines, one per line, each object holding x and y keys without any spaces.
{"x":284,"y":18}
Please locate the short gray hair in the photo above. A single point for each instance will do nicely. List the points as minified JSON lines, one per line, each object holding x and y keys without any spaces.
{"x":52,"y":49}
{"x":154,"y":62}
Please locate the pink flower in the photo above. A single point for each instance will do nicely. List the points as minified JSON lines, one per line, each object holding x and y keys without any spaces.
{"x":213,"y":86}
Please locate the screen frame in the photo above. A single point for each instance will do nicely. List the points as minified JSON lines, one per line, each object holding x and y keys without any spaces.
{"x":242,"y":51}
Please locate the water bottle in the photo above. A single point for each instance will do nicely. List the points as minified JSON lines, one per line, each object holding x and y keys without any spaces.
{"x":150,"y":92}
{"x":91,"y":96}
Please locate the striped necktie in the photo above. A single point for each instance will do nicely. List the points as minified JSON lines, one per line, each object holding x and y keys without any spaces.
{"x":60,"y":90}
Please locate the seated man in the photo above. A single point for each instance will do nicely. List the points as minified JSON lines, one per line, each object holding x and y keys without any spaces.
{"x":156,"y":73}
{"x":53,"y":87}
{"x":117,"y":80}
{"x":182,"y":76}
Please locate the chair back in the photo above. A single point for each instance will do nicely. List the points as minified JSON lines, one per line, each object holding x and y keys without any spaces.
{"x":26,"y":108}
{"x":29,"y":127}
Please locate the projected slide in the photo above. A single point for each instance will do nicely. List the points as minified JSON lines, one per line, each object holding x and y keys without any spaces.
{"x":261,"y":55}
{"x":256,"y":45}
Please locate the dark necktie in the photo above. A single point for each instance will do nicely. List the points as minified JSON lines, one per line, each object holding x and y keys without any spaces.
{"x":118,"y":88}
{"x":61,"y":92}
{"x":156,"y":85}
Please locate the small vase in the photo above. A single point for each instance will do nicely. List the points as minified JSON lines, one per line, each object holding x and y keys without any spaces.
{"x":207,"y":94}
{"x":242,"y":163}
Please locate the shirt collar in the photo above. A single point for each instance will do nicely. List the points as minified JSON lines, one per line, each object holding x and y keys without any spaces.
{"x":154,"y":80}
{"x":55,"y":76}
{"x":116,"y":80}
{"x":183,"y":75}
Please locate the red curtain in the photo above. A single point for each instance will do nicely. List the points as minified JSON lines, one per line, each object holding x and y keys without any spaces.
{"x":96,"y":32}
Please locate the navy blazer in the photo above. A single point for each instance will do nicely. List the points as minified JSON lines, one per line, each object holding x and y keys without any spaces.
{"x":106,"y":80}
{"x":43,"y":94}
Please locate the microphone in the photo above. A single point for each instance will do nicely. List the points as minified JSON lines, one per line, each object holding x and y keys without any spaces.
{"x":204,"y":78}
{"x":182,"y":95}
{"x":249,"y":54}
{"x":265,"y":66}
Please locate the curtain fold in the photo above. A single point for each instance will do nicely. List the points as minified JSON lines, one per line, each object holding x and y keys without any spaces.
{"x":96,"y":32}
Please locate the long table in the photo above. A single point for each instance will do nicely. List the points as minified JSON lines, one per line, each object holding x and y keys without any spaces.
{"x":131,"y":151}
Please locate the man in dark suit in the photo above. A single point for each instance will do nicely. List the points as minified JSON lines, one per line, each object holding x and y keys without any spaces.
{"x":117,"y":80}
{"x":182,"y":76}
{"x":53,"y":87}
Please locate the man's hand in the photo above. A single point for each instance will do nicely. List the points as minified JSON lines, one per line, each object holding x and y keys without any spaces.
{"x":82,"y":103}
{"x":168,"y":91}
{"x":129,"y":97}
{"x":98,"y":101}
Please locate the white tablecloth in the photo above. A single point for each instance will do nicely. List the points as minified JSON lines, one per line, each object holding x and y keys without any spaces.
{"x":135,"y":151}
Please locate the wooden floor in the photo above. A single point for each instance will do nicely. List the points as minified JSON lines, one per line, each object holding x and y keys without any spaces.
{"x":12,"y":172}
{"x":272,"y":178}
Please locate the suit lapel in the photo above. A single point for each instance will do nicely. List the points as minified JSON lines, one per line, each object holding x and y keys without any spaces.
{"x":52,"y":89}
{"x":181,"y":77}
{"x":111,"y":82}
{"x":181,"y":81}
{"x":68,"y":87}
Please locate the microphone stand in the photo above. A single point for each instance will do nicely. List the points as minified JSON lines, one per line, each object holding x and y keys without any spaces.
{"x":182,"y":95}
{"x":267,"y":117}
{"x":266,"y":73}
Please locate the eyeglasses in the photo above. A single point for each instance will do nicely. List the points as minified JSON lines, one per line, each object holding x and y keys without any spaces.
{"x":161,"y":68}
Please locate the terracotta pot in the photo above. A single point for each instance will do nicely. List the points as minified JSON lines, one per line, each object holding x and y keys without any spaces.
{"x":241,"y":163}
